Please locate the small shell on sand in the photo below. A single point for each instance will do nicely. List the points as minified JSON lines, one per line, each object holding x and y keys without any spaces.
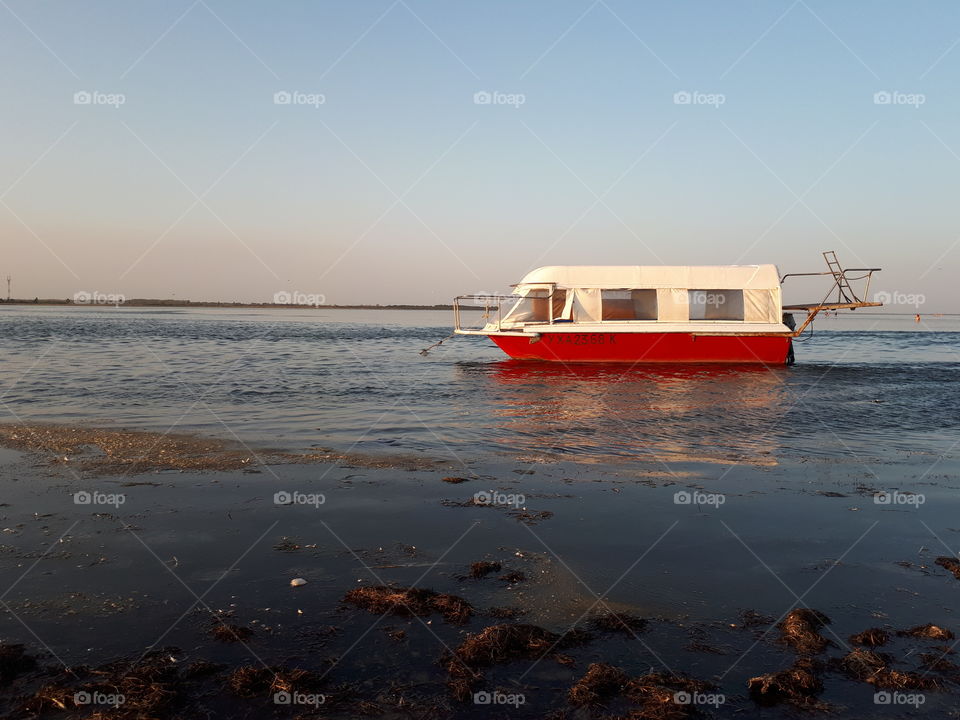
{"x":297,"y":582}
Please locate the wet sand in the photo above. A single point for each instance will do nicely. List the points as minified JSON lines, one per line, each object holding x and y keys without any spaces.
{"x":580,"y":590}
{"x":104,"y":451}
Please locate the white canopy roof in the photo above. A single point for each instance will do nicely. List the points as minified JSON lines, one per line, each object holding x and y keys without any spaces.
{"x":706,"y":277}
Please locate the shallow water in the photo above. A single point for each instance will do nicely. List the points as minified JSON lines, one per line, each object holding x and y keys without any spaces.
{"x":862,"y":386}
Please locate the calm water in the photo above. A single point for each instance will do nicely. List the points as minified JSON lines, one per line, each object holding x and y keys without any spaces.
{"x":863,"y":386}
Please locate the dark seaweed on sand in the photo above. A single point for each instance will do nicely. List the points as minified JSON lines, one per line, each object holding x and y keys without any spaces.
{"x":230,"y":633}
{"x":874,"y":668}
{"x":498,"y":644}
{"x":483,"y":568}
{"x":250,"y":681}
{"x":152,"y":687}
{"x":872,"y":637}
{"x":798,"y":685}
{"x":951,"y":564}
{"x":799,"y":629}
{"x":659,"y":696}
{"x":928,"y":631}
{"x":421,"y":602}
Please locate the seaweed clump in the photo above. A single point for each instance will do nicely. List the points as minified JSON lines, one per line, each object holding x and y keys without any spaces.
{"x":250,"y":682}
{"x":951,"y":564}
{"x":799,"y":685}
{"x":150,"y":688}
{"x":928,"y":631}
{"x":483,"y":568}
{"x":230,"y":633}
{"x":410,"y":602}
{"x":872,"y":637}
{"x":601,"y":682}
{"x":873,"y":668}
{"x":501,"y":644}
{"x":799,"y":629}
{"x":659,"y":696}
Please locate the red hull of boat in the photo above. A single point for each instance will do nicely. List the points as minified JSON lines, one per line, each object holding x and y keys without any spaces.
{"x":648,"y":348}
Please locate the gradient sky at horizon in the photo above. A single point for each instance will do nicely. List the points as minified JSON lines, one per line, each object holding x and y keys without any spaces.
{"x":401,"y":187}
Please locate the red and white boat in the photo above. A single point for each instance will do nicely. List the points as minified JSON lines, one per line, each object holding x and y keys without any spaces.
{"x":654,"y":314}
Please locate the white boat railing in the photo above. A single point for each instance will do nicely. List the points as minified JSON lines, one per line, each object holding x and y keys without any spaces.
{"x":483,"y":310}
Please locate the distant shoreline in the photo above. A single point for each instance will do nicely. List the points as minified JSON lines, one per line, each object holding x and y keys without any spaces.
{"x":146,"y":302}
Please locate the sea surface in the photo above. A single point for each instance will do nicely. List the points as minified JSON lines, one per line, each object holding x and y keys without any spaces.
{"x":695,"y":497}
{"x":864,"y":385}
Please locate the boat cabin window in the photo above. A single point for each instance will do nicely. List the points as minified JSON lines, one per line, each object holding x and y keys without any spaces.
{"x":532,"y":307}
{"x":629,"y":304}
{"x":716,"y":304}
{"x":558,"y":302}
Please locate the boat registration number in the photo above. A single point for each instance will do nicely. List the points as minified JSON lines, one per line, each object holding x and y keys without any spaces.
{"x":581,"y":338}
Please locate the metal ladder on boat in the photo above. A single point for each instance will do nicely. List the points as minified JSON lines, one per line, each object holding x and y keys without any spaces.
{"x":845,"y":293}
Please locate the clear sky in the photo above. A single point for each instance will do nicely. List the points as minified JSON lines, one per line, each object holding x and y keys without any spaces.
{"x":434,"y":148}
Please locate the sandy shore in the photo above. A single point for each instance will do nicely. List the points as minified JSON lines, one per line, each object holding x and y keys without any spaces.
{"x":159,"y":569}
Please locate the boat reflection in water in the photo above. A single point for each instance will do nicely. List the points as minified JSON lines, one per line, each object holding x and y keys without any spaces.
{"x":653,"y":413}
